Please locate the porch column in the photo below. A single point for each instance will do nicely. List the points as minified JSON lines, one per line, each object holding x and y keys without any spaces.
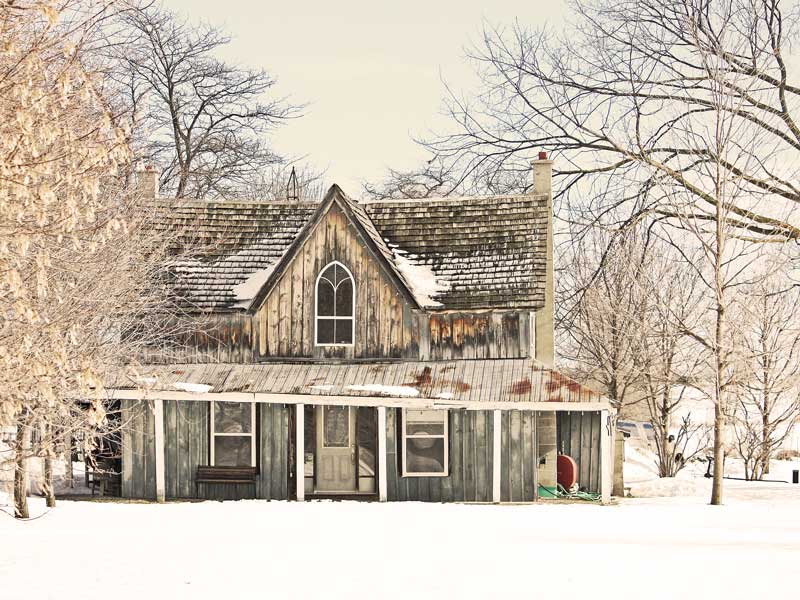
{"x":605,"y":457}
{"x":497,"y":425}
{"x":158,"y":413}
{"x":300,"y":453}
{"x":382,"y":495}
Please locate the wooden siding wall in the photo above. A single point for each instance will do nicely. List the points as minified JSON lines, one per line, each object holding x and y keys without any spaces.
{"x":186,"y":440}
{"x":284,"y":324}
{"x":579,"y":437}
{"x":235,"y":338}
{"x":138,"y":450}
{"x":518,"y":471}
{"x":386,"y":325}
{"x":448,"y":336}
{"x":470,"y":478}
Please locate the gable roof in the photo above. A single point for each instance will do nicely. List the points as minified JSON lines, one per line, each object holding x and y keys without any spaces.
{"x":375,"y":244}
{"x":442,"y":253}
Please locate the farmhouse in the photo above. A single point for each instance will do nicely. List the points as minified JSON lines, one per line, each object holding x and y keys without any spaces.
{"x":394,"y":350}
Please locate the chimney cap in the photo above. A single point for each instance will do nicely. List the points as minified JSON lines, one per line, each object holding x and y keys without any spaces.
{"x":542,"y":155}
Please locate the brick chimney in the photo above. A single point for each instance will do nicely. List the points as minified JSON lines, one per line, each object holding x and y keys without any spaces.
{"x":147,"y":181}
{"x":543,"y":184}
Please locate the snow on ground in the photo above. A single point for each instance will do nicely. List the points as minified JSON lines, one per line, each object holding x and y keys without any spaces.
{"x":640,"y":548}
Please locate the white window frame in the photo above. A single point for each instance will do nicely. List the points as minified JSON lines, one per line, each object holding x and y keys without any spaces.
{"x":445,"y":436}
{"x":317,"y":316}
{"x":251,"y":435}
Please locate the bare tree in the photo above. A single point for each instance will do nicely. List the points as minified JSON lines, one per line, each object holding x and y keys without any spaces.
{"x":83,"y":268}
{"x":768,"y":391}
{"x":205,"y":123}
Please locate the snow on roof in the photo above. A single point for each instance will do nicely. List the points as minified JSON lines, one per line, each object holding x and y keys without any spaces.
{"x":386,"y":390}
{"x":421,"y":279}
{"x":195,"y":388}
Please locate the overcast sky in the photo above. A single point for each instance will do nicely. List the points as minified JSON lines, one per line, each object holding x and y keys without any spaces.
{"x":370,"y":72}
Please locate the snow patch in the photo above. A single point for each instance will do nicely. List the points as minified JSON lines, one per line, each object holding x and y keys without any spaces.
{"x":445,"y":396}
{"x":148,"y":381}
{"x":323,"y":388}
{"x":421,"y":279}
{"x":385,"y":390}
{"x":248,"y":289}
{"x":195,"y":388}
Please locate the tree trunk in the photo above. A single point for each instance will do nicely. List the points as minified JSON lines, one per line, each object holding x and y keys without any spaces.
{"x":20,"y":473}
{"x":69,"y":476}
{"x":49,"y":494}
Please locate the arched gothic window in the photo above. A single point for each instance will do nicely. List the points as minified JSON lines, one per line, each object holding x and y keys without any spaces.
{"x":335,"y":306}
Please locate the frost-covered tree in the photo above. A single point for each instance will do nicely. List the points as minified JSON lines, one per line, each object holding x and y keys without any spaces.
{"x":80,"y":263}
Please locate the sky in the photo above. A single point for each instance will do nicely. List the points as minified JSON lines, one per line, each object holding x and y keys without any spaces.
{"x":370,"y":73}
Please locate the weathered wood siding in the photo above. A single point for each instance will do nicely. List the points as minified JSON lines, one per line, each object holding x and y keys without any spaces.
{"x":186,"y":440}
{"x":470,"y":478}
{"x":284,"y":324}
{"x":496,"y":334}
{"x":579,"y":437}
{"x":518,"y":472}
{"x":138,"y":450}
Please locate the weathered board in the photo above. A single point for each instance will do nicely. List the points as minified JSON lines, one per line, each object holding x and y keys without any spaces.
{"x":470,"y":478}
{"x":186,"y":440}
{"x":138,"y":450}
{"x":579,"y":437}
{"x":284,"y":323}
{"x":518,"y":443}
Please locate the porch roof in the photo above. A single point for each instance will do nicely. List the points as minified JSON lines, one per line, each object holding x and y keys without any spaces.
{"x":464,"y":382}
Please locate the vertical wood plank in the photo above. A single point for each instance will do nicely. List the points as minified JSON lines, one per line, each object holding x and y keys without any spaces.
{"x":300,"y":452}
{"x":497,"y":428}
{"x":382,"y":471}
{"x":158,"y":427}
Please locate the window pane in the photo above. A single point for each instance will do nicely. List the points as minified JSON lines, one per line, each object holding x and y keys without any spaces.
{"x":425,"y":455}
{"x":325,"y":299}
{"x":344,"y":331}
{"x":341,"y":274}
{"x":425,"y":428}
{"x":232,"y":417}
{"x":337,"y":426}
{"x":366,"y":427}
{"x":325,"y":331}
{"x":344,"y":299}
{"x":232,"y":451}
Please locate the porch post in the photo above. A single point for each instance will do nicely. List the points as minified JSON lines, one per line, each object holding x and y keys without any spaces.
{"x":605,"y":457}
{"x":300,"y":454}
{"x":158,"y":413}
{"x":497,"y":424}
{"x":382,"y":495}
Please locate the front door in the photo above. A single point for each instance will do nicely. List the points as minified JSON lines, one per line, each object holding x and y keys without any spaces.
{"x":336,"y":449}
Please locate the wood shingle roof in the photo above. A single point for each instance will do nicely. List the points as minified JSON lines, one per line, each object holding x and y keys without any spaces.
{"x":483,"y":253}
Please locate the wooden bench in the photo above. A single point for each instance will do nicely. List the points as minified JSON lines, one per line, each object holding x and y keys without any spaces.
{"x":225,"y":474}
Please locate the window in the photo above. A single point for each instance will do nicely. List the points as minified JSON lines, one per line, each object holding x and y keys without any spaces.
{"x":233,"y":442}
{"x":425,"y":446}
{"x":335,"y":306}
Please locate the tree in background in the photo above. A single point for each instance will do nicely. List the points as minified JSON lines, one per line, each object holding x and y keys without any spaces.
{"x":203,"y":122}
{"x":679,"y":113}
{"x":767,"y":392}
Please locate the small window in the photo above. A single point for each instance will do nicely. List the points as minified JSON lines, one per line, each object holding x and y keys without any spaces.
{"x":233,"y":440}
{"x":335,"y":306}
{"x":425,"y":443}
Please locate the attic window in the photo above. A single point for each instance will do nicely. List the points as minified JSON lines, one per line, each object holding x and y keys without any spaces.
{"x":335,"y":306}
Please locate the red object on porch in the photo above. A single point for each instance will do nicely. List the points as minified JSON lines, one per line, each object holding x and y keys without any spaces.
{"x":567,"y":471}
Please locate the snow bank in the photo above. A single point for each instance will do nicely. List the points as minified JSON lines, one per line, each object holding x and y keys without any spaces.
{"x":190,"y":550}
